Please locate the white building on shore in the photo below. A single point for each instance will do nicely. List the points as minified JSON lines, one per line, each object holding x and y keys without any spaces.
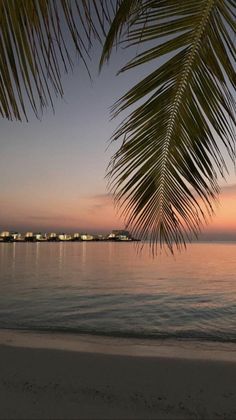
{"x":120,"y":235}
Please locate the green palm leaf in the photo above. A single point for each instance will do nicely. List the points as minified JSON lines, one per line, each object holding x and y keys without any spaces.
{"x":36,"y":40}
{"x":165,"y":175}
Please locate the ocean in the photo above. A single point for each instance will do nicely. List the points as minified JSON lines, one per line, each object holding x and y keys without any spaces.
{"x":110,"y":289}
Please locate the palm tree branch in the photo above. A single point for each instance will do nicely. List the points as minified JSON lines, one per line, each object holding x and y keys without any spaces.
{"x":37,"y":38}
{"x":165,"y":175}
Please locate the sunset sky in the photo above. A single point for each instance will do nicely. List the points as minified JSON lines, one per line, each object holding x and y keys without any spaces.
{"x":52,"y":171}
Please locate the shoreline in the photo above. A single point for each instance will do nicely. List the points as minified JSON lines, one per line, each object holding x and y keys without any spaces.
{"x":119,"y":346}
{"x":44,"y":376}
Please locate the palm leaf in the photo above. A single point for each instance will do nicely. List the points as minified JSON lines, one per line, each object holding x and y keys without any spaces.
{"x":165,"y":175}
{"x":36,"y":42}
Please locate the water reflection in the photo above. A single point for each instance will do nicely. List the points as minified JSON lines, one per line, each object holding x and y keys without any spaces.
{"x":108,"y":287}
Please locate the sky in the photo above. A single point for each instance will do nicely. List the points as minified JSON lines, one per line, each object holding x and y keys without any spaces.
{"x":53,"y":171}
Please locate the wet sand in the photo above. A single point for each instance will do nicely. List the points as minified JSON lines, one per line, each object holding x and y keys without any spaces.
{"x":48,"y":376}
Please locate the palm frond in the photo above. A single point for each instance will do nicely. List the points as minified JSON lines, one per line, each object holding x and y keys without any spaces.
{"x":36,"y":42}
{"x":165,"y":175}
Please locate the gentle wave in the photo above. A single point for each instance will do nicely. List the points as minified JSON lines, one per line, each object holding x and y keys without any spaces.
{"x":109,"y":290}
{"x":185,"y":335}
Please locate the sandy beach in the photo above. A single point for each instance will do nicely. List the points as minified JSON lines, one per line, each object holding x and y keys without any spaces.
{"x":47,"y":376}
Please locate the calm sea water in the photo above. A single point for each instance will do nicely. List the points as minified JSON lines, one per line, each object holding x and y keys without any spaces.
{"x":108,"y":289}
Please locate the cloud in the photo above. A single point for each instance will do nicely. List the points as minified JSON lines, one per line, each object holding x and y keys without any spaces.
{"x":99,"y":202}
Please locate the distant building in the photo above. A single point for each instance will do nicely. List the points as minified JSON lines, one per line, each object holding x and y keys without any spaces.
{"x":76,"y":237}
{"x":29,"y":237}
{"x":115,"y":235}
{"x":64,"y":237}
{"x":86,"y":237}
{"x":52,"y":236}
{"x":38,"y":236}
{"x":120,"y":235}
{"x":16,"y":236}
{"x":99,"y":237}
{"x":5,"y":234}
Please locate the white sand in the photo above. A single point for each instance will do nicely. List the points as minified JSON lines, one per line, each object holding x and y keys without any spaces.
{"x":46,"y":376}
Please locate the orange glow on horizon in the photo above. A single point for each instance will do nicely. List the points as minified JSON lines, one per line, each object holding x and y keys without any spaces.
{"x":225,"y":214}
{"x":94,"y":214}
